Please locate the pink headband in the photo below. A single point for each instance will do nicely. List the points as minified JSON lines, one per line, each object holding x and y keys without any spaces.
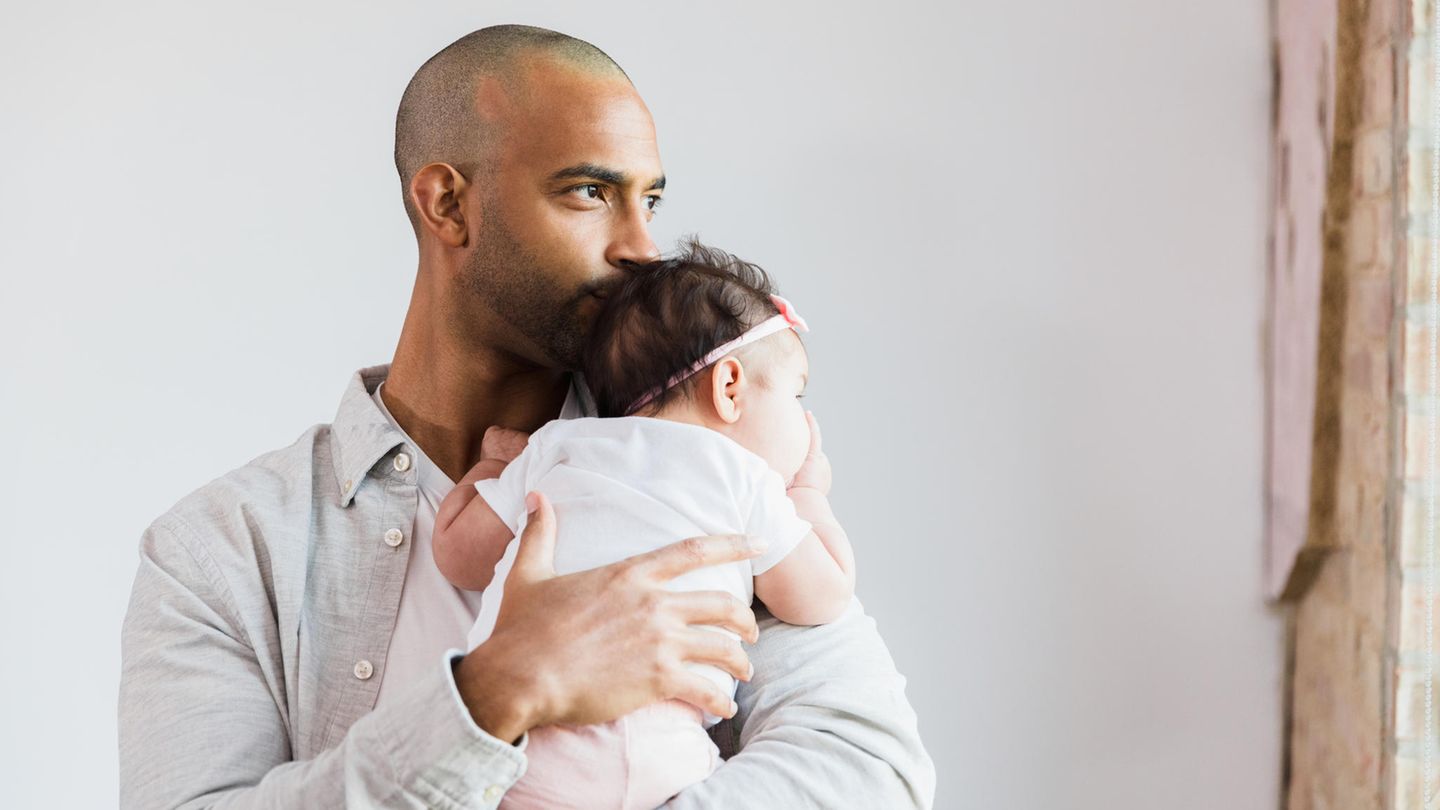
{"x":787,"y":319}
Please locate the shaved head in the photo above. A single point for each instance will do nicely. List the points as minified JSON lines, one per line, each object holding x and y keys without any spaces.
{"x":441,"y":119}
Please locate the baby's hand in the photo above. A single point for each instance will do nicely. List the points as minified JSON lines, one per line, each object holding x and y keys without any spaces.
{"x":498,"y":447}
{"x":815,"y":471}
{"x":502,"y":444}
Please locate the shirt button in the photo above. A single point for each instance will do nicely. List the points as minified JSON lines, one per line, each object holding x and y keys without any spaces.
{"x":363,"y":670}
{"x":402,"y":462}
{"x":394,"y":537}
{"x":492,"y":793}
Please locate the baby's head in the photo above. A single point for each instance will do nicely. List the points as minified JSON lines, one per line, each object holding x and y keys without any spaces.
{"x":666,"y":318}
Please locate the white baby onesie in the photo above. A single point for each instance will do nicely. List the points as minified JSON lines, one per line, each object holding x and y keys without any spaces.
{"x":627,"y":485}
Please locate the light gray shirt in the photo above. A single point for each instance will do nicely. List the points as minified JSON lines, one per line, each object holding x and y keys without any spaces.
{"x":256,"y":639}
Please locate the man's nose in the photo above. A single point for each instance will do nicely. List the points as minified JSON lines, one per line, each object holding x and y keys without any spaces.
{"x":631,"y":243}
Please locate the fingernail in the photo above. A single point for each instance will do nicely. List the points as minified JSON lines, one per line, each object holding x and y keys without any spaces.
{"x":733,"y":708}
{"x":756,"y":544}
{"x":532,"y":502}
{"x":751,"y":673}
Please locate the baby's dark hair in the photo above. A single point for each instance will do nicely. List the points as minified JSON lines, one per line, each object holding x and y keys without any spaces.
{"x":664,"y":318}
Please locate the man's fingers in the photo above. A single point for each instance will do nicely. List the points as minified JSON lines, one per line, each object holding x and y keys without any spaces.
{"x":814,"y":434}
{"x":699,"y":690}
{"x":535,"y":559}
{"x":717,"y":649}
{"x":669,"y":562}
{"x":719,"y":609}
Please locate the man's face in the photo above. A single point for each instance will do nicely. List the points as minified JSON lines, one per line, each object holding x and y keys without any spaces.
{"x":565,"y":206}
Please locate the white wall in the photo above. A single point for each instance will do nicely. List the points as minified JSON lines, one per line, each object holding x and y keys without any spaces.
{"x":1030,"y":239}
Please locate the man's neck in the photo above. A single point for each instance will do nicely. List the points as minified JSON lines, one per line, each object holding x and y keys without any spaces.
{"x":446,"y":399}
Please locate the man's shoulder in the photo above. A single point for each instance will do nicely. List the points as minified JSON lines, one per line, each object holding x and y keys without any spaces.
{"x":239,"y":544}
{"x":269,"y":490}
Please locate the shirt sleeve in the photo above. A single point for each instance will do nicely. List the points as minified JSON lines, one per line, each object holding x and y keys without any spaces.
{"x":772,"y":516}
{"x":506,"y":494}
{"x":200,"y":725}
{"x":824,"y":722}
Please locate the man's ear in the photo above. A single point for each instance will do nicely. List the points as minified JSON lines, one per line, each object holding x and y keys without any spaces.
{"x":437,"y":193}
{"x":727,"y":385}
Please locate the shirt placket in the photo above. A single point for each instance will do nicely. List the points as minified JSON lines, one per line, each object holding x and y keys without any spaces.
{"x":384,"y":543}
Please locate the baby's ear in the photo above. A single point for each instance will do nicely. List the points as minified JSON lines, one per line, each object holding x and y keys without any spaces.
{"x":727,"y":383}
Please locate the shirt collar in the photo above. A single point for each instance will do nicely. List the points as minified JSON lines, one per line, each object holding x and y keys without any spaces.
{"x":361,"y":434}
{"x":433,"y":481}
{"x":579,"y":402}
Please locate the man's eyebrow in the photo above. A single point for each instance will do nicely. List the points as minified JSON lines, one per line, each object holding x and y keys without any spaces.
{"x":593,"y":171}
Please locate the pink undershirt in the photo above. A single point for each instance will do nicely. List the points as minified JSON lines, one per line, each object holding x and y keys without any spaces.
{"x":434,"y":616}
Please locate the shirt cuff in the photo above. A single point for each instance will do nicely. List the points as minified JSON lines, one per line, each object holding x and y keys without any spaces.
{"x":437,"y":753}
{"x":451,"y":657}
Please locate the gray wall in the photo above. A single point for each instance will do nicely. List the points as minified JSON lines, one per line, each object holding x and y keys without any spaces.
{"x":1029,"y":239}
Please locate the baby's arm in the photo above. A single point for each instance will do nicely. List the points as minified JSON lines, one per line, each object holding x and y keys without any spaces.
{"x":469,"y":537}
{"x":814,"y":582}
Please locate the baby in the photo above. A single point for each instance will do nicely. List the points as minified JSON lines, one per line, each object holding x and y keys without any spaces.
{"x":697,"y":370}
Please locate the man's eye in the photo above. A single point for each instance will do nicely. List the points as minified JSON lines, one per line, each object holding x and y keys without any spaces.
{"x":653,"y":202}
{"x":590,"y":191}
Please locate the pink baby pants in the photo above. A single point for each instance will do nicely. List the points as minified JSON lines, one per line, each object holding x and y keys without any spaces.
{"x":634,"y":763}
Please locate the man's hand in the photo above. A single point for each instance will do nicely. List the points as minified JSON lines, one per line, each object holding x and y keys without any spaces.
{"x":815,"y":470}
{"x":591,"y":646}
{"x":502,"y":444}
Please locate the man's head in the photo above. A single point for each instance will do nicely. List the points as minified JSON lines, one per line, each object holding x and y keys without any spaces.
{"x":530,"y":174}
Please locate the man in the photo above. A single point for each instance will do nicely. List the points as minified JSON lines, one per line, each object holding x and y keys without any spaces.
{"x":289,"y":639}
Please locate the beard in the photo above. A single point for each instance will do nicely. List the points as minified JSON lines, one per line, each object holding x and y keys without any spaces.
{"x":521,"y":288}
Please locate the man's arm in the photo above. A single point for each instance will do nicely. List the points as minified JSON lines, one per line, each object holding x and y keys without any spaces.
{"x":823,"y":723}
{"x":203,"y":716}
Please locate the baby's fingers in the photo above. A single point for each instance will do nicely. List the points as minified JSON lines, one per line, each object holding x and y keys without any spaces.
{"x":814,"y":434}
{"x":503,"y":443}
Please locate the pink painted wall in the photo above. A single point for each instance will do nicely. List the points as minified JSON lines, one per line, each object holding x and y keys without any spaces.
{"x":1304,"y":122}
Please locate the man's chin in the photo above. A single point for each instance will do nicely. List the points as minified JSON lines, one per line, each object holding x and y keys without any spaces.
{"x":566,"y":349}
